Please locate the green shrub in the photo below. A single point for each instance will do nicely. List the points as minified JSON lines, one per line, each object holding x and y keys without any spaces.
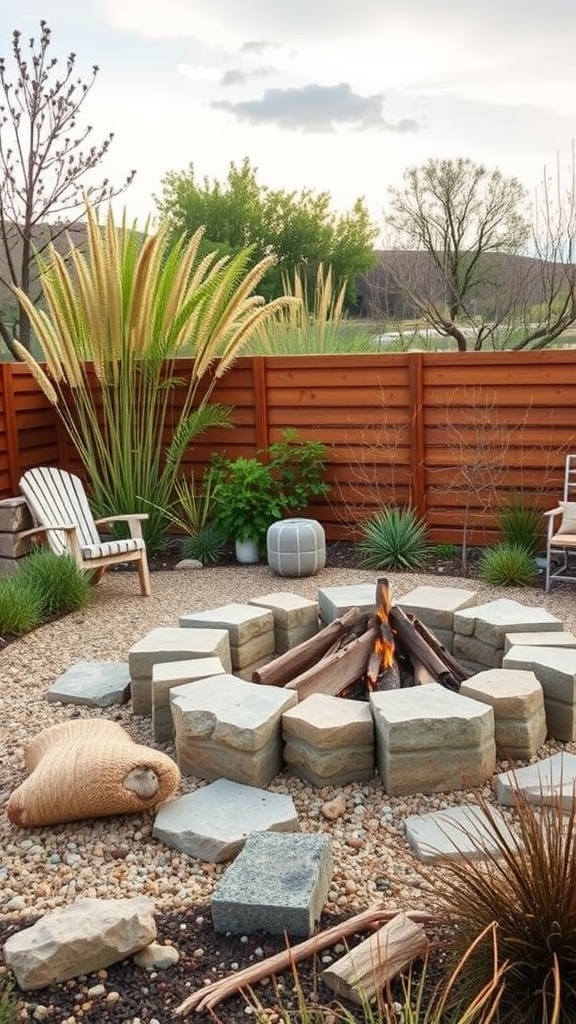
{"x":62,"y":586}
{"x":394,"y":539}
{"x":247,"y":500}
{"x":508,"y":565}
{"x":208,"y":545}
{"x":298,"y":468}
{"x":10,"y":1007}
{"x":522,"y":526}
{"x":20,"y":606}
{"x":527,"y":886}
{"x":444,"y":550}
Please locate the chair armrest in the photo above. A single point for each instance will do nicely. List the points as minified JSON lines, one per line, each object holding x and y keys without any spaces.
{"x":68,"y":527}
{"x":554,"y":511}
{"x":133,"y":519}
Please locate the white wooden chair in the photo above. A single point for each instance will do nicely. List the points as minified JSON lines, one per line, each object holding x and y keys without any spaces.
{"x":561,"y":536}
{"x":59,"y":507}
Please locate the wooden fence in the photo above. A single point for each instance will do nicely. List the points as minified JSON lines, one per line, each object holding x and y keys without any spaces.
{"x":452,"y":434}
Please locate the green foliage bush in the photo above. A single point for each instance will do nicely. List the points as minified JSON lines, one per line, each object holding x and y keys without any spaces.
{"x":508,"y":565}
{"x":20,"y":606}
{"x":208,"y":545}
{"x":10,"y":1007}
{"x":520,"y":525}
{"x":396,"y":538}
{"x":61,"y":585}
{"x":298,"y":468}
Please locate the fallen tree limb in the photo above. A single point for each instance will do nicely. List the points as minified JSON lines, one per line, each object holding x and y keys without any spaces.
{"x":216,"y":992}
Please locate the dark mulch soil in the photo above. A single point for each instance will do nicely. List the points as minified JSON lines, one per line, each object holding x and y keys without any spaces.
{"x":149,"y":997}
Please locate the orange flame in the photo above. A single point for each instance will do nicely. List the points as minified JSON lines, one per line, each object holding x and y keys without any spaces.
{"x":385,"y":651}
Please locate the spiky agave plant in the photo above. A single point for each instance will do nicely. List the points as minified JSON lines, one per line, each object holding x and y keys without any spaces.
{"x":395,"y":538}
{"x":115,"y":319}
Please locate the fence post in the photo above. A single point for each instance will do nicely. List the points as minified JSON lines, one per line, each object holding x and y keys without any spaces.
{"x":13,"y":449}
{"x":417,"y":448}
{"x":260,"y":402}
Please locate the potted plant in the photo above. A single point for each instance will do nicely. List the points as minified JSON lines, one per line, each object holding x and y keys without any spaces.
{"x":247,"y":501}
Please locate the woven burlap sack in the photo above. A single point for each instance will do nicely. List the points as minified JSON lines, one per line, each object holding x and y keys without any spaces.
{"x":89,"y":768}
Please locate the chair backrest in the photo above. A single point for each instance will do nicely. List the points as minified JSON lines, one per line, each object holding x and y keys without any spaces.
{"x":55,"y":496}
{"x":570,"y":478}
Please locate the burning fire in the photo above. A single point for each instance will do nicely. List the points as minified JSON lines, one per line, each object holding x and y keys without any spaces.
{"x":382,"y":657}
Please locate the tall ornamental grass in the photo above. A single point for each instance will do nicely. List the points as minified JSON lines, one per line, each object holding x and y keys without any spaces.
{"x":113,"y":320}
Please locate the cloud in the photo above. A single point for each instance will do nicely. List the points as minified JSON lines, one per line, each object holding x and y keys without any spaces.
{"x":237,"y":76}
{"x":315,"y":108}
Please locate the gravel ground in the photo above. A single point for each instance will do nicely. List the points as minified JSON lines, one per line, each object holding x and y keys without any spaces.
{"x":116,"y":857}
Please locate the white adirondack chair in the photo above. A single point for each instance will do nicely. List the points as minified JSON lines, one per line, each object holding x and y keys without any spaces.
{"x":59,"y":507}
{"x":561,"y":537}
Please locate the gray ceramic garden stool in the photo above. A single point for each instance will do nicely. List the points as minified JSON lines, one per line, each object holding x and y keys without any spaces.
{"x":296,"y":547}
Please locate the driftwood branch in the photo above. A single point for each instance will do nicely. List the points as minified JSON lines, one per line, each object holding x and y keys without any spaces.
{"x":293,"y":663}
{"x":216,"y":992}
{"x":414,"y":643}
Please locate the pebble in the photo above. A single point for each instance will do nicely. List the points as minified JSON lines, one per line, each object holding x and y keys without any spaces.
{"x":334,"y":809}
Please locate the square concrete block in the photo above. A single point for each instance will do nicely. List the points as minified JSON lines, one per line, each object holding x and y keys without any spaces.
{"x":171,"y":643}
{"x":518,"y":702}
{"x":229,"y":728}
{"x":429,"y":739}
{"x":334,"y":601}
{"x":278,"y":883}
{"x":167,"y":675}
{"x":14,"y":515}
{"x":435,"y":606}
{"x":214,"y":822}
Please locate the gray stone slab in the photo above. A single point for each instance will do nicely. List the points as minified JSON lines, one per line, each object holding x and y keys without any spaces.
{"x":519,"y":714}
{"x":286,"y":639}
{"x":97,"y":684}
{"x":171,"y":643}
{"x":490,"y":622}
{"x":470,"y":649}
{"x":166,"y":676}
{"x":336,"y":767}
{"x":555,"y":670}
{"x":456,"y":833}
{"x":214,"y":822}
{"x":435,"y":606}
{"x":290,"y":611}
{"x":14,"y":515}
{"x":429,"y":739}
{"x":334,"y":601}
{"x":244,"y":622}
{"x":278,"y":883}
{"x":539,"y":639}
{"x":259,"y":647}
{"x":13,"y":546}
{"x":545,"y":782}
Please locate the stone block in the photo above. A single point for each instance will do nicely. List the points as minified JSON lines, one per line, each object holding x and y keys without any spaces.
{"x":87,"y":936}
{"x":539,"y":639}
{"x":286,"y":640}
{"x":555,"y":670}
{"x":435,"y":606}
{"x":8,"y":566}
{"x":456,"y":833}
{"x":548,"y":781}
{"x":167,"y":675}
{"x":14,"y":515}
{"x":13,"y":546}
{"x":227,"y":727}
{"x":470,"y":649}
{"x":248,"y":671}
{"x":518,"y":702}
{"x":278,"y":883}
{"x":98,"y":684}
{"x":329,"y":740}
{"x":257,"y":649}
{"x":290,"y":611}
{"x":429,"y":739}
{"x":244,"y":622}
{"x":490,"y":622}
{"x":214,"y":822}
{"x":171,"y":643}
{"x":334,"y":601}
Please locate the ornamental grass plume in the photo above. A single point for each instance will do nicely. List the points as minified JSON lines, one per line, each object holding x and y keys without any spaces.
{"x":113,"y":321}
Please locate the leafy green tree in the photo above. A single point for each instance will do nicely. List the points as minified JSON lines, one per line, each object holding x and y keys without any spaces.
{"x":300,"y":229}
{"x":471,"y":259}
{"x":44,"y":163}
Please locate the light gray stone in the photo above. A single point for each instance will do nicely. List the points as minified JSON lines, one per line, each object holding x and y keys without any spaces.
{"x":167,"y":675}
{"x":336,"y":767}
{"x":555,"y":670}
{"x":470,"y":649}
{"x":518,"y":702}
{"x":545,"y":782}
{"x":290,"y":611}
{"x":327,"y":722}
{"x":156,"y":957}
{"x":14,"y":515}
{"x":278,"y":883}
{"x":244,"y":622}
{"x":539,"y":639}
{"x":87,"y":936}
{"x":98,"y":684}
{"x":259,"y":647}
{"x":214,"y":822}
{"x":429,"y":739}
{"x":334,"y":601}
{"x":228,"y":727}
{"x":456,"y":833}
{"x":248,"y":671}
{"x":13,"y":546}
{"x":171,"y":643}
{"x":435,"y":606}
{"x":490,"y":622}
{"x":285,"y":640}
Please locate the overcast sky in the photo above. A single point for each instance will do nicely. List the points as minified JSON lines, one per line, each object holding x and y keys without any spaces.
{"x":335,"y":95}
